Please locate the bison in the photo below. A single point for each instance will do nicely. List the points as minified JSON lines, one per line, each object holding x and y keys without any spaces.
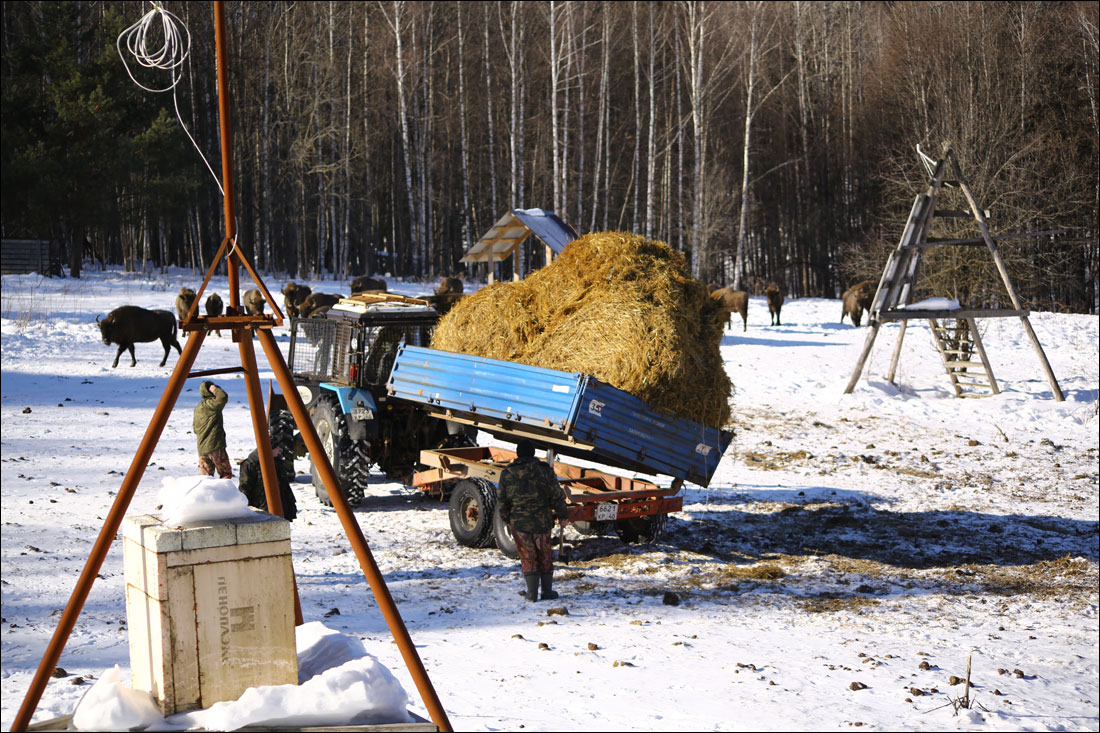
{"x":254,"y":302}
{"x":449,"y":286}
{"x":774,"y":293}
{"x":730,"y":302}
{"x":214,"y":307}
{"x":317,"y":304}
{"x":293,"y":296}
{"x":443,"y":302}
{"x":130,"y":324}
{"x":856,"y":300}
{"x":364,"y":284}
{"x":183,"y":302}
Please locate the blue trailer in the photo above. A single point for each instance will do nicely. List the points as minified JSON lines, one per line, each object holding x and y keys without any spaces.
{"x":569,"y":413}
{"x":577,"y":414}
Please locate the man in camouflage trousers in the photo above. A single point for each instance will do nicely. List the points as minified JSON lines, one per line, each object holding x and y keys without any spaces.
{"x":210,"y":432}
{"x":530,"y":498}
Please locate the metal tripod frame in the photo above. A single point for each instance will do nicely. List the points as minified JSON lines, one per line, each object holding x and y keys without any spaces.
{"x":244,"y":327}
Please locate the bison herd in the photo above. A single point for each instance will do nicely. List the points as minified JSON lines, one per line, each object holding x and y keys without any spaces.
{"x":130,"y":324}
{"x":856,"y":300}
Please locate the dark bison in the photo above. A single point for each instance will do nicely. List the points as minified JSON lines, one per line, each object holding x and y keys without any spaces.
{"x":317,"y":303}
{"x":449,"y":286}
{"x":364,"y":283}
{"x":184,"y":301}
{"x":443,"y":302}
{"x":774,"y":294}
{"x":214,"y":307}
{"x":857,"y":299}
{"x":730,"y":302}
{"x":293,"y":296}
{"x":129,"y":324}
{"x":254,"y":302}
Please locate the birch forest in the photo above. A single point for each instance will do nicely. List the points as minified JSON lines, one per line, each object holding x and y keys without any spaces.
{"x":769,"y":141}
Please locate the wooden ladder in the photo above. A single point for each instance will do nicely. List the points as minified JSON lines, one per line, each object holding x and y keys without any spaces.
{"x":958,"y":343}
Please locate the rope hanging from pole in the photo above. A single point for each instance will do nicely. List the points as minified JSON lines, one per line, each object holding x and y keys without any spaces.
{"x":141,"y":40}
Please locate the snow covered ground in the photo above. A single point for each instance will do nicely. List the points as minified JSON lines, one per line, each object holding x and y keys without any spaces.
{"x":851,"y":555}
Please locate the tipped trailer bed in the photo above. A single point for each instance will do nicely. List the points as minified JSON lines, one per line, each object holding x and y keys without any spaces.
{"x":575,"y":414}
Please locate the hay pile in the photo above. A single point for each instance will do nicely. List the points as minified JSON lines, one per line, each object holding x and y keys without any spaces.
{"x":616,"y":306}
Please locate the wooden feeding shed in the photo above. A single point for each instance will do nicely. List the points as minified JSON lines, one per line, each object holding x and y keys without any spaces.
{"x":505,"y":239}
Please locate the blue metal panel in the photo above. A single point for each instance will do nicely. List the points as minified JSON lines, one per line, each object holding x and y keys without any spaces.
{"x":501,"y":390}
{"x":584,"y":416}
{"x":547,"y":226}
{"x":351,"y":397}
{"x":621,"y":425}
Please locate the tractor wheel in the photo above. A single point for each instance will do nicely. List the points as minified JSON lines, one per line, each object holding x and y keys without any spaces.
{"x":349,"y":459}
{"x":472,"y":507}
{"x":281,"y":427}
{"x":647,"y":529}
{"x":505,"y":542}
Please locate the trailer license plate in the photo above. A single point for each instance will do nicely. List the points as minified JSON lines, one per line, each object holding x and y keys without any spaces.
{"x":608,"y":512}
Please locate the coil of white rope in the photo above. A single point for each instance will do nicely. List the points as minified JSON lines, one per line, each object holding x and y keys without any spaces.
{"x":140,"y":40}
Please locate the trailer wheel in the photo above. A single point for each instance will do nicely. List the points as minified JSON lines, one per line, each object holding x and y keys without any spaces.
{"x":473,"y":504}
{"x":592,"y":528}
{"x":505,"y":542}
{"x":349,"y":458}
{"x":647,"y":529}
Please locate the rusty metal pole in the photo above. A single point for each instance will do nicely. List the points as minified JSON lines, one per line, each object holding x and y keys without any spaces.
{"x":228,"y":190}
{"x":263,"y":445}
{"x":109,"y":530}
{"x":354,"y":533}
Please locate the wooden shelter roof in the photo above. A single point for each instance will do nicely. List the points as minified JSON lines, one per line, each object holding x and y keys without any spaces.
{"x":510,"y":231}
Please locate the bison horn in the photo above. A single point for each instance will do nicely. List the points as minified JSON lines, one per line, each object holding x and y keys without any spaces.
{"x":98,"y":317}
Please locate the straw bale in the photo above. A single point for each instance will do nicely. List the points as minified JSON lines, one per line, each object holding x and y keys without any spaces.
{"x":616,"y":306}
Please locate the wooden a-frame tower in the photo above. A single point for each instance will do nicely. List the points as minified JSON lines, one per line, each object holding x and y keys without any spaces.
{"x":244,"y":328}
{"x":955,"y":332}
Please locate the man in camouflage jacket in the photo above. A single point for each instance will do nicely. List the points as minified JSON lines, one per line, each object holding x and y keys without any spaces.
{"x":530,"y":499}
{"x":210,"y":432}
{"x":252,"y":482}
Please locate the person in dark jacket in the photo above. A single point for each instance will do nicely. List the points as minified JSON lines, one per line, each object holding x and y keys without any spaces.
{"x":210,"y":431}
{"x":530,"y":500}
{"x":252,"y":482}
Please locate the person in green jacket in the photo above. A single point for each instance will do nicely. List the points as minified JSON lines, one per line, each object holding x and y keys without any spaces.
{"x":210,"y":432}
{"x":530,"y":500}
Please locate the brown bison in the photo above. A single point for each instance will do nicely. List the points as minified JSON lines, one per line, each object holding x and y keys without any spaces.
{"x":856,"y":300}
{"x":129,"y":324}
{"x":449,"y":286}
{"x":317,"y":304}
{"x":774,"y":293}
{"x":363,"y":284}
{"x":214,"y":307}
{"x":730,"y":302}
{"x":254,"y":302}
{"x":443,"y":302}
{"x":293,"y":296}
{"x":183,"y":302}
